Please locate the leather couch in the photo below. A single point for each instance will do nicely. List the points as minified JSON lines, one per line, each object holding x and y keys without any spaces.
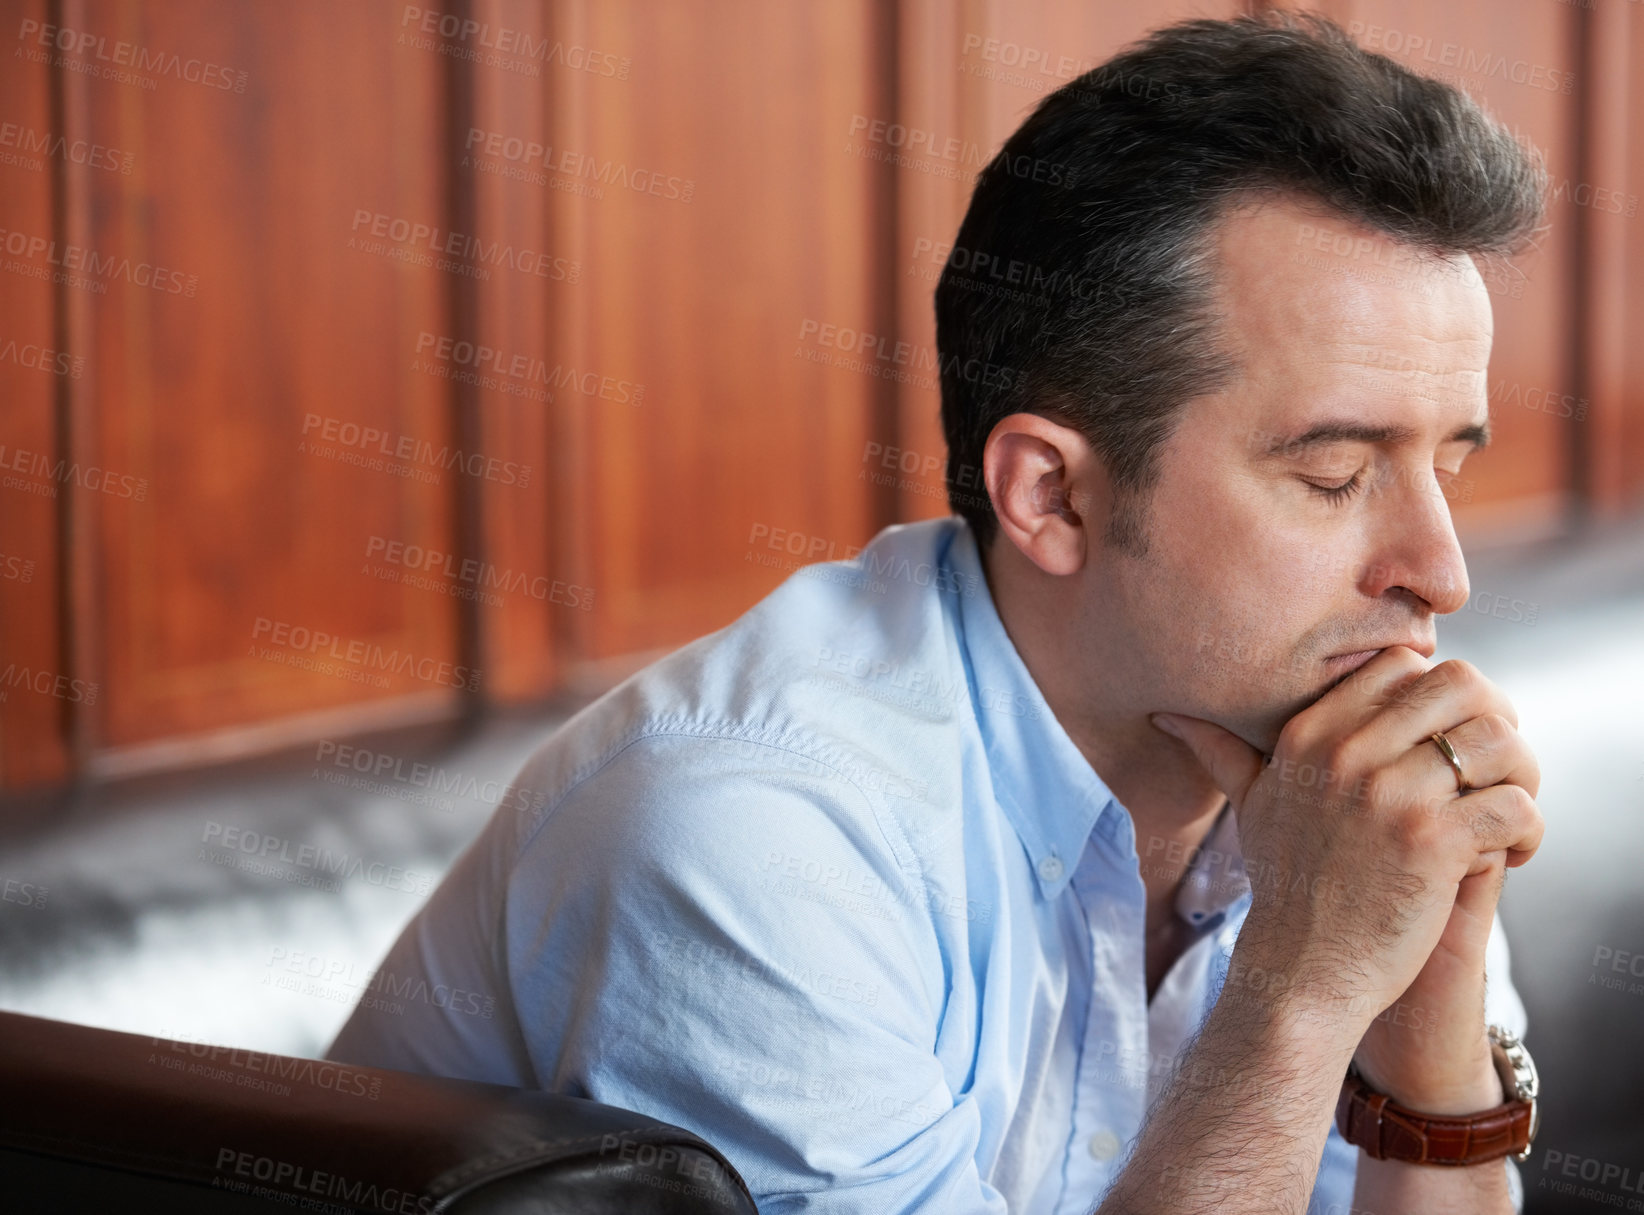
{"x":93,"y":1120}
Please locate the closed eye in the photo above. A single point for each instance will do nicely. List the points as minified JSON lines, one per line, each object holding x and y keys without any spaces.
{"x":1338,"y":493}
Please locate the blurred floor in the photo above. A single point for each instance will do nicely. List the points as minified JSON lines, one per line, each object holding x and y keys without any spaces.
{"x":143,"y":928}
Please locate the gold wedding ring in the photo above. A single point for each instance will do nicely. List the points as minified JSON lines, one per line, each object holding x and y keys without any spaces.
{"x":1449,"y":753}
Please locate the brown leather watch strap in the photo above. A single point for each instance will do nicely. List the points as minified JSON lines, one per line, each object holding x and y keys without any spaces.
{"x":1388,"y":1131}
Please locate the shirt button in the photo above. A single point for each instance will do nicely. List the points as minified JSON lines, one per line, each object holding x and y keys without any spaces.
{"x":1104,"y":1145}
{"x":1050,"y":869}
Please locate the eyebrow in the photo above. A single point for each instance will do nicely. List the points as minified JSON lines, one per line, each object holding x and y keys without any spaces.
{"x":1324,"y":433}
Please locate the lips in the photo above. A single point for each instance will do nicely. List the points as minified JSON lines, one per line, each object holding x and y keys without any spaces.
{"x":1347,"y":663}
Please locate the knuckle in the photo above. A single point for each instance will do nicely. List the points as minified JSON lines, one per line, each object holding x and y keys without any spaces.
{"x":1532,"y":777}
{"x":1303,"y":734}
{"x":1397,"y":683}
{"x":1525,"y":764}
{"x":1406,"y":661}
{"x":1496,"y":730}
{"x":1459,"y":674}
{"x":1523,"y":805}
{"x":1294,"y":737}
{"x":1418,"y":836}
{"x":1376,"y":790}
{"x":1510,"y":811}
{"x":1486,"y":823}
{"x":1342,"y":755}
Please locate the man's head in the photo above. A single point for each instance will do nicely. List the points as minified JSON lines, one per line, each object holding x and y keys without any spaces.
{"x":1250,"y":279}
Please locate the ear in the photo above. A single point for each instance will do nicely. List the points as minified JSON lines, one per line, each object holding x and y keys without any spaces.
{"x":1049,"y":490}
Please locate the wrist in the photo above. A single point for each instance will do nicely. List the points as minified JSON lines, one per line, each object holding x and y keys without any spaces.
{"x":1305,"y":1015}
{"x":1466,"y":1087}
{"x":1285,"y":1029}
{"x":1457,"y":1127}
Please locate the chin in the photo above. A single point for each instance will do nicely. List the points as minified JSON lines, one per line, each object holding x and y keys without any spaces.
{"x":1257,"y":712}
{"x":1264,"y":736}
{"x":1275,"y":721}
{"x":1260,"y":725}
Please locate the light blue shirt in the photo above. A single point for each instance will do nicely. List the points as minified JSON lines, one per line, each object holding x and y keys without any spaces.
{"x":832,"y":888}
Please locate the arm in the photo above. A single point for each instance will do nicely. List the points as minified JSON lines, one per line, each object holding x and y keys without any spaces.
{"x":1242,"y":1123}
{"x":719,"y":937}
{"x":1382,"y":1185}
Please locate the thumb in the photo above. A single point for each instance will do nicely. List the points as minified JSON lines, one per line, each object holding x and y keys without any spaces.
{"x":1231,"y":762}
{"x":1467,"y":932}
{"x":1480,"y":891}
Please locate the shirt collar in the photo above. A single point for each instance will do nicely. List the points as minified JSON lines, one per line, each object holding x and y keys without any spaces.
{"x":1043,"y":782}
{"x":1041,"y":779}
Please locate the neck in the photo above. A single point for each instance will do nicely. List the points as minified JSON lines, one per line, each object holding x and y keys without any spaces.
{"x":1172,"y":801}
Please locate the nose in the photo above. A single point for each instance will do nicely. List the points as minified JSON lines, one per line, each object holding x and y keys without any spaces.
{"x":1414,"y":546}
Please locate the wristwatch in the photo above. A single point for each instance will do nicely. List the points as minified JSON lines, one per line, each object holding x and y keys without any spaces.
{"x":1387,"y":1130}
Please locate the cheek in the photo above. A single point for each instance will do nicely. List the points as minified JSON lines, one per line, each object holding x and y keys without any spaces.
{"x":1220,"y":535}
{"x":1234,"y":593}
{"x":1256,"y":542}
{"x":1245,"y":587}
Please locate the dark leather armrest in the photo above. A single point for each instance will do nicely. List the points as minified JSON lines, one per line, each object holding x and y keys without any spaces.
{"x":92,"y":1119}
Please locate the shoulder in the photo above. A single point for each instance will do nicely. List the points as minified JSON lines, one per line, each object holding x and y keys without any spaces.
{"x":685,"y":799}
{"x":839,"y":701}
{"x":703,"y":849}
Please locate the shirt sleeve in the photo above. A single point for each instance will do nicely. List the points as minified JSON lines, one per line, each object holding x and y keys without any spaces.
{"x":716,"y":932}
{"x":1338,"y":1168}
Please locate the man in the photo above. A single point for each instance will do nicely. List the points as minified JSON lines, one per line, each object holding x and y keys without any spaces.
{"x":1071,"y":851}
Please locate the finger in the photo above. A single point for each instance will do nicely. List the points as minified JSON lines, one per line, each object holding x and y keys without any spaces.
{"x":1467,"y":932}
{"x":1500,"y":818}
{"x":1491,"y":752}
{"x":1451,"y":693}
{"x":1231,"y":762}
{"x":1480,"y":891}
{"x":1353,"y":702}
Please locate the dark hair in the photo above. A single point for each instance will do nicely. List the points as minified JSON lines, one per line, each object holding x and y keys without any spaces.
{"x":1101,"y":207}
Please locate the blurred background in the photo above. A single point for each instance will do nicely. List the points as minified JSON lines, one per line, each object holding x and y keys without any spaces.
{"x":379,"y":382}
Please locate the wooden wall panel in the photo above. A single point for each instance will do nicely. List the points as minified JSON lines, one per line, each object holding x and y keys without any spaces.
{"x":243,"y":392}
{"x":1614,"y":259}
{"x":704,"y":292}
{"x":689,"y":395}
{"x":35,"y":366}
{"x":508,"y":390}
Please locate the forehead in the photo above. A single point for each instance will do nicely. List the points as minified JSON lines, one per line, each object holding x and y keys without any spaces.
{"x":1311,"y":299}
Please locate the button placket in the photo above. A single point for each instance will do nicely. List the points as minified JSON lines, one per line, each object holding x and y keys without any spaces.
{"x":1106,"y":1099}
